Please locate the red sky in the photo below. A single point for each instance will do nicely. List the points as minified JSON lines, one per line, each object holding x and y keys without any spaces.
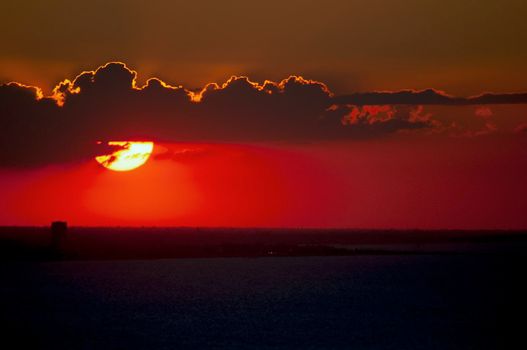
{"x":290,"y":153}
{"x":392,"y":183}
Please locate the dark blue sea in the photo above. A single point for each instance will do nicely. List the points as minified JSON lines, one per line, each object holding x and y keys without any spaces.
{"x":352,"y":302}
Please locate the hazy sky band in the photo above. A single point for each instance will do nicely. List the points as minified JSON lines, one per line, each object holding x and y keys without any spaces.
{"x":464,"y":47}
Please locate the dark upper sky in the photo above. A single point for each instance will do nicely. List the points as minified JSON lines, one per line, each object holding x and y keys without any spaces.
{"x":463,"y":47}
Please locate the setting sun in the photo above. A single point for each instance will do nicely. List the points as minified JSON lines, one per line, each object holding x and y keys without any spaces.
{"x":129,"y":156}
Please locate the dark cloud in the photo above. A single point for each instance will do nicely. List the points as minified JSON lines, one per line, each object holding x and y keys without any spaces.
{"x":428,"y":97}
{"x":107,"y":104}
{"x":366,"y":121}
{"x":516,"y":98}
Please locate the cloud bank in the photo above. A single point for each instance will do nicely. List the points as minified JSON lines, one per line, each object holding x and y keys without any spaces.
{"x":108,"y":104}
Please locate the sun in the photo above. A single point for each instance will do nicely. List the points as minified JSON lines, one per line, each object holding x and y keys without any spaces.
{"x":129,"y":156}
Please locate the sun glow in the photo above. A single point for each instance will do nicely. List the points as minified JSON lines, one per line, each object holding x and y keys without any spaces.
{"x":129,"y":156}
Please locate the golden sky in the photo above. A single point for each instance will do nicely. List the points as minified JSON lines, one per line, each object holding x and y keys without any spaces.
{"x":462,"y":47}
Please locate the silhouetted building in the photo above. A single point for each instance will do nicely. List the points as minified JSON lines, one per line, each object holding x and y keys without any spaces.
{"x":58,"y":232}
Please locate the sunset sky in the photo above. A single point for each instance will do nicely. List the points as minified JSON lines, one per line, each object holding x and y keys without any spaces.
{"x":362,"y":114}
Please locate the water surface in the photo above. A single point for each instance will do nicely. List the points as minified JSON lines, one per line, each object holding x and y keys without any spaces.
{"x":352,"y":302}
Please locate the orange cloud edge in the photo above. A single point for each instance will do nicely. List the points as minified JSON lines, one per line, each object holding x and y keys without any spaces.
{"x":68,"y":85}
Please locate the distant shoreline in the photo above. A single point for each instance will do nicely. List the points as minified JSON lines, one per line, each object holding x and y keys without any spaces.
{"x":103,"y":243}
